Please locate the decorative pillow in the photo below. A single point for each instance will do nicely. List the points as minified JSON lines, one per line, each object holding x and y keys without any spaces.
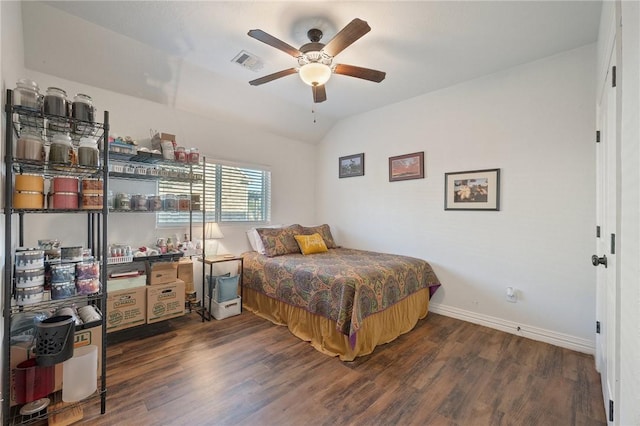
{"x":226,"y":288}
{"x":254,"y":238}
{"x":212,"y":280}
{"x":310,"y":244}
{"x":324,"y":231}
{"x":279,"y":241}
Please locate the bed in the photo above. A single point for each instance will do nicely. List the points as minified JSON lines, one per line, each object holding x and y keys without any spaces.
{"x":345,"y":302}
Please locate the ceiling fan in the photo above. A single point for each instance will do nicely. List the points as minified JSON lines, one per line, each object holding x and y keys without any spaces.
{"x":315,"y":59}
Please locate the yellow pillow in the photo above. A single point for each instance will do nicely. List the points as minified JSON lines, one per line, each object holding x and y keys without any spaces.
{"x":310,"y":244}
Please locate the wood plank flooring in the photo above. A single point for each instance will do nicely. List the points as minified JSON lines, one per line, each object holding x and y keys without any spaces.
{"x":246,"y":371}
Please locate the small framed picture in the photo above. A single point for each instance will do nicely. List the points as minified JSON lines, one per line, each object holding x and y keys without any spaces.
{"x":351,"y":165}
{"x":472,"y":190}
{"x":408,"y":166}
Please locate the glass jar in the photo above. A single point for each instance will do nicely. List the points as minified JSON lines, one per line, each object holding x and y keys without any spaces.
{"x":30,"y":146}
{"x":55,"y":102}
{"x":27,"y":95}
{"x":88,"y":154}
{"x":123,"y":201}
{"x":154,"y":203}
{"x":180,"y":154}
{"x":194,"y":156}
{"x":139,"y":202}
{"x":184,"y":203}
{"x":82,"y":108}
{"x":169,"y":203}
{"x":61,"y":151}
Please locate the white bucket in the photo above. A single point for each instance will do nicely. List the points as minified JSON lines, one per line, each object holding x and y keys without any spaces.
{"x":80,"y":374}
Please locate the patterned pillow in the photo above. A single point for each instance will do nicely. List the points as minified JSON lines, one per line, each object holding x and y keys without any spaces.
{"x":324,"y":231}
{"x":310,"y":244}
{"x":280,"y":241}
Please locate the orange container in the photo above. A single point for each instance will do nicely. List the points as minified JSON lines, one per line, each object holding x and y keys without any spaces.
{"x":28,"y":200}
{"x":30,"y":183}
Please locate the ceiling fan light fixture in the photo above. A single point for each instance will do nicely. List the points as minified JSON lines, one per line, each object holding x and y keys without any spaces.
{"x":315,"y":73}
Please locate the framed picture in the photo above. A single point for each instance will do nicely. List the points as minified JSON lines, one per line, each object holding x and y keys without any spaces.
{"x":472,"y":190}
{"x":351,"y":165}
{"x":408,"y":166}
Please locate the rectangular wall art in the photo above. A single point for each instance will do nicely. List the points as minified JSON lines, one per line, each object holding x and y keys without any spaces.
{"x":408,"y":166}
{"x":472,"y":190}
{"x":351,"y":165}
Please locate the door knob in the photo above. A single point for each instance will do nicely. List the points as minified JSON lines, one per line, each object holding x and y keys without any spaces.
{"x":599,"y":260}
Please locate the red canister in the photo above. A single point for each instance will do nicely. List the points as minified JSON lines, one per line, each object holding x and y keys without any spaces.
{"x":63,"y":200}
{"x":65,"y":184}
{"x":33,"y":381}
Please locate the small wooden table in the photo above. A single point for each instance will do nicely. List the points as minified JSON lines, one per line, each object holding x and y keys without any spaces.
{"x":205,"y":311}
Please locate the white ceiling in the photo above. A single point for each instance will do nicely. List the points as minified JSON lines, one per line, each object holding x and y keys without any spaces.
{"x":180,"y":53}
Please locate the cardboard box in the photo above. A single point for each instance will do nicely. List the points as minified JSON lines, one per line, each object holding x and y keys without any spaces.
{"x":165,"y":301}
{"x":225,"y":309}
{"x":159,"y":273}
{"x":117,"y":284}
{"x":126,"y":308}
{"x":185,"y":273}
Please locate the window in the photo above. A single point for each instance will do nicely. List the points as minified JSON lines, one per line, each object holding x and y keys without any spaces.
{"x":233,"y":193}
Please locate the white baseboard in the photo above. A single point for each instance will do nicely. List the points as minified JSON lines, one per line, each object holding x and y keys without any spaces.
{"x":534,"y":333}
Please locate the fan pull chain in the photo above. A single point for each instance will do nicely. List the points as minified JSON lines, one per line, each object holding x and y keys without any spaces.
{"x":313,"y":111}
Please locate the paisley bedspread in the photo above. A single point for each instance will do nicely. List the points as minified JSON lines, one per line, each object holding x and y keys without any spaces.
{"x":344,"y":285}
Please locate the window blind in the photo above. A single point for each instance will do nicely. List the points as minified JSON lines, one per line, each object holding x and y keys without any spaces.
{"x":232,"y":194}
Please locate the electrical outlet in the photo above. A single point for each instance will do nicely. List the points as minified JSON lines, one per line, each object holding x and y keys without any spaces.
{"x":512,"y":295}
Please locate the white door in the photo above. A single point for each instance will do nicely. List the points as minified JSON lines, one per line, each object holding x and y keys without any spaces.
{"x":605,"y":257}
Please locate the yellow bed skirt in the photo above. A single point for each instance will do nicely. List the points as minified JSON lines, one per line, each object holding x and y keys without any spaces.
{"x":376,"y":329}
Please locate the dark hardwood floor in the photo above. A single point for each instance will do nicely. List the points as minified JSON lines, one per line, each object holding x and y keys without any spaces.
{"x":245,"y":371}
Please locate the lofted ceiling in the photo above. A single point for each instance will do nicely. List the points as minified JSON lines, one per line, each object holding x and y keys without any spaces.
{"x":181,"y":53}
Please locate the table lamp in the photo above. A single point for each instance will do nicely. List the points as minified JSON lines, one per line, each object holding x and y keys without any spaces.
{"x":212,"y":233}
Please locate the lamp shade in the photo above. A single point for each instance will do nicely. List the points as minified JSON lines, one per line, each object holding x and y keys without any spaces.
{"x":212,"y":231}
{"x":315,"y":73}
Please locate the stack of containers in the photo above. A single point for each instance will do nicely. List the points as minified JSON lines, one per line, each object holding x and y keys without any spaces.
{"x":64,"y":193}
{"x":29,"y":275}
{"x":87,"y":277}
{"x":76,"y":273}
{"x":52,"y":256}
{"x":92,"y":194}
{"x":63,"y":280}
{"x":29,"y":192}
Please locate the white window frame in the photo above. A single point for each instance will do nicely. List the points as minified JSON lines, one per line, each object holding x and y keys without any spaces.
{"x":220,"y":202}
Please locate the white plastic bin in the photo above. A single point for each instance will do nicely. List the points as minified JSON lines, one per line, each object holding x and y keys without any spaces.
{"x":80,"y":374}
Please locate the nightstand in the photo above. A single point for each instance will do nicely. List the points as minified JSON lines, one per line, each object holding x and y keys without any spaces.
{"x":205,"y":311}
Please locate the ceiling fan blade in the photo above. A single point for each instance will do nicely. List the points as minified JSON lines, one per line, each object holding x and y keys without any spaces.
{"x":274,"y":42}
{"x":271,"y":77}
{"x":359,"y":72}
{"x":319,"y":93}
{"x":352,"y":32}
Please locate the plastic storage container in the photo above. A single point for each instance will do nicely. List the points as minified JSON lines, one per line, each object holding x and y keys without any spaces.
{"x":29,"y":258}
{"x":54,"y":340}
{"x":32,"y":183}
{"x":63,"y":200}
{"x":28,"y":200}
{"x":32,"y":381}
{"x":80,"y":374}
